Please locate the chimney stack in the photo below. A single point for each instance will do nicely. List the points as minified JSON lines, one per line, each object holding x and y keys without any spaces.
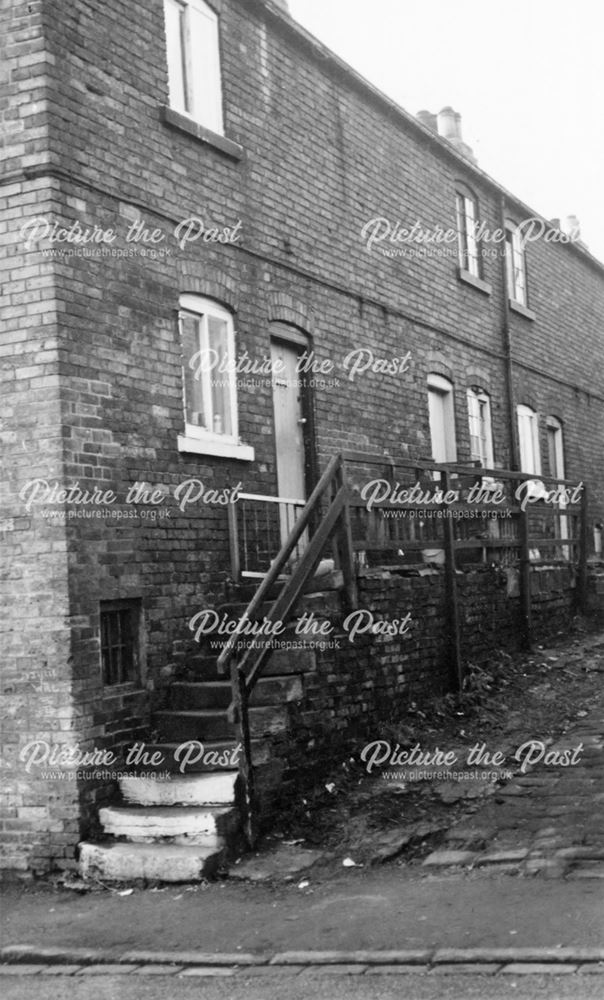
{"x":572,"y":227}
{"x":427,"y":119}
{"x":447,"y":124}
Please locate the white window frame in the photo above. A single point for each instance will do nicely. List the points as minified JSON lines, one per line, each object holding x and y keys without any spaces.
{"x":199,"y":99}
{"x":441,"y":404}
{"x":198,"y":439}
{"x":479,"y":420}
{"x":528,"y":439}
{"x":515,"y":264}
{"x":466,"y":207}
{"x":556,"y":432}
{"x":555,"y":439}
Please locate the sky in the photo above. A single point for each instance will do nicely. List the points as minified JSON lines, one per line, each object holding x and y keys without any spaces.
{"x":527,"y":77}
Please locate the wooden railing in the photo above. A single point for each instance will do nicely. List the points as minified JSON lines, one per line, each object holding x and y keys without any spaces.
{"x":338,"y":512}
{"x":257,"y":525}
{"x":329,"y":501}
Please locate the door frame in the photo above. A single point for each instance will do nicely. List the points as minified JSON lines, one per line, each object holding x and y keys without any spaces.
{"x":292,"y":336}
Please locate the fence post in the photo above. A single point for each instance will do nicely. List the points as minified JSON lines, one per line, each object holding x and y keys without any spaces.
{"x":345,"y":547}
{"x":581,"y":592}
{"x":234,"y":542}
{"x":246,"y":766}
{"x":525,"y":582}
{"x":457,"y":668}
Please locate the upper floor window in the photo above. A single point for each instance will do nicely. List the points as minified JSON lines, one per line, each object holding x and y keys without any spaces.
{"x":555,"y":447}
{"x":467,"y":223}
{"x":442,"y":419}
{"x":192,"y":44}
{"x":208,"y":348}
{"x":528,"y":440}
{"x":481,"y":438}
{"x":515,"y":265}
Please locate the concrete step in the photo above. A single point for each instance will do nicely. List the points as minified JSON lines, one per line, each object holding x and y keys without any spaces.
{"x":325,"y":603}
{"x":207,"y":826}
{"x":181,"y":790}
{"x":207,"y":757}
{"x":290,"y":661}
{"x":215,"y":694}
{"x":183,"y":695}
{"x":207,"y":724}
{"x":124,"y":862}
{"x":237,"y":610}
{"x":201,"y":667}
{"x":332,"y":580}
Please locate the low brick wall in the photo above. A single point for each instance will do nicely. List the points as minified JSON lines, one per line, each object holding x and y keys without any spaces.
{"x":353,"y":692}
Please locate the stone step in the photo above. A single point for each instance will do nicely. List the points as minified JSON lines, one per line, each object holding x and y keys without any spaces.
{"x":213,"y":724}
{"x":290,"y":661}
{"x":208,"y":724}
{"x":236,"y":610}
{"x":325,"y":603}
{"x":183,"y":695}
{"x":333,"y":580}
{"x":268,"y":691}
{"x":123,"y":862}
{"x":208,"y":826}
{"x":211,"y":757}
{"x":208,"y":756}
{"x":201,"y":667}
{"x":181,"y":790}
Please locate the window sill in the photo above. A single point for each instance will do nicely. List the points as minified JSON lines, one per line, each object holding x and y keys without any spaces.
{"x":471,"y":279}
{"x":220,"y":449}
{"x":517,"y":307}
{"x":185,"y":124}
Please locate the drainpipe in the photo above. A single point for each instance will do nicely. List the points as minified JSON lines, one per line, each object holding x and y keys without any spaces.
{"x":507,"y":349}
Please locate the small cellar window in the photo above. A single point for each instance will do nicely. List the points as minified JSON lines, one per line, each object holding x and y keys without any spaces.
{"x":120,"y":657}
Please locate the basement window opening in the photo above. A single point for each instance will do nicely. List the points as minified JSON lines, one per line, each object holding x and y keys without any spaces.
{"x":120,"y":655}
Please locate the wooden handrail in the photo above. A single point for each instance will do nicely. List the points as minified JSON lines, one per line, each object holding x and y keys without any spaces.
{"x":281,"y":560}
{"x":242,"y":682}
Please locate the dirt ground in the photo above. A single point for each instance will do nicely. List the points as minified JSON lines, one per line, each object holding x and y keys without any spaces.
{"x":378,"y":818}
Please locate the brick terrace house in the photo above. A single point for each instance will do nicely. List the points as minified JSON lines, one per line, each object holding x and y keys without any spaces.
{"x":234,"y":169}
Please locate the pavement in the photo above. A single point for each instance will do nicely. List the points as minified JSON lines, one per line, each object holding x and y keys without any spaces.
{"x":516,"y":890}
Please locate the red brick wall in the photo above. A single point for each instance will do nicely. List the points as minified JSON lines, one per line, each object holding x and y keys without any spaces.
{"x":321,"y":156}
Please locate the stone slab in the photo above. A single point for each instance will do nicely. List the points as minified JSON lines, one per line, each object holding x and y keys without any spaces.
{"x":162,"y":862}
{"x":205,"y":970}
{"x":279,"y":863}
{"x":107,"y":969}
{"x":447,"y":858}
{"x":538,"y":969}
{"x":334,"y":970}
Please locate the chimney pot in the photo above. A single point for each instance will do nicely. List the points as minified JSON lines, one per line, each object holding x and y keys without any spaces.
{"x":428,"y":119}
{"x":449,"y":123}
{"x":572,"y":227}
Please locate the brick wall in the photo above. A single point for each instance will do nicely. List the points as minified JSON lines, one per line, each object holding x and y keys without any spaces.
{"x":354,"y":693}
{"x":94,"y":364}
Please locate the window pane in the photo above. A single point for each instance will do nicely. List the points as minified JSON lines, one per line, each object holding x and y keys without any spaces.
{"x":193,"y":370}
{"x":442,"y":424}
{"x":206,"y":96}
{"x":471,"y":237}
{"x":519,"y":277}
{"x":221,"y":384}
{"x":174,"y":45}
{"x":474,"y":422}
{"x":461,"y":230}
{"x":529,"y":442}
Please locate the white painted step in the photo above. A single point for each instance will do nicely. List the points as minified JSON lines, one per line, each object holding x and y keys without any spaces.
{"x":213,"y":789}
{"x":181,"y":824}
{"x":156,"y":862}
